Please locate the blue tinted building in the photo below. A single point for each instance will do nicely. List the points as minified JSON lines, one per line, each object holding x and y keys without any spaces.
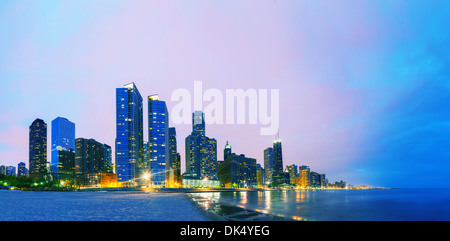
{"x":158,"y":139}
{"x":63,"y":147}
{"x":22,"y":169}
{"x":130,"y":161}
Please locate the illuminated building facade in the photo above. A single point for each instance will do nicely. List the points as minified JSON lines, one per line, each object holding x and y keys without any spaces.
{"x":63,"y":148}
{"x":260,"y":175}
{"x":10,"y":171}
{"x":129,"y":134}
{"x":323,"y":180}
{"x":226,"y":151}
{"x":201,"y":151}
{"x":238,"y":171}
{"x":174,"y":168}
{"x":190,"y":181}
{"x":146,"y":156}
{"x":65,"y":169}
{"x":198,"y":123}
{"x":91,"y":157}
{"x":158,"y":140}
{"x":38,"y":149}
{"x":268,"y":163}
{"x":100,"y":179}
{"x":277,"y":174}
{"x":304,"y":176}
{"x":293,"y":174}
{"x":318,"y":180}
{"x":21,"y":169}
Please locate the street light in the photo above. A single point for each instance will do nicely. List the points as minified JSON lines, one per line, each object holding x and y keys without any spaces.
{"x":146,"y":176}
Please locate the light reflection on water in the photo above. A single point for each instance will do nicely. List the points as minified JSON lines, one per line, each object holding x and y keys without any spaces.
{"x":396,"y":204}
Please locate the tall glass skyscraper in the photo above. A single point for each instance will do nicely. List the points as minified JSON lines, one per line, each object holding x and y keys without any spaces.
{"x":158,"y":139}
{"x":129,"y":134}
{"x":63,"y":148}
{"x":38,"y":148}
{"x":201,"y":151}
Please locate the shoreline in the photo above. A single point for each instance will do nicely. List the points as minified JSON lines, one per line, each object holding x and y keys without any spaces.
{"x":206,"y":190}
{"x":220,"y":211}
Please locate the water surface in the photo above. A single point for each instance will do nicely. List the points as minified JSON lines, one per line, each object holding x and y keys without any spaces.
{"x":97,"y":206}
{"x":342,"y":205}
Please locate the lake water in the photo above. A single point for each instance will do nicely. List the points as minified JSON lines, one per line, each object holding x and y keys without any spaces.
{"x":320,"y":205}
{"x":97,"y":206}
{"x":341,"y":205}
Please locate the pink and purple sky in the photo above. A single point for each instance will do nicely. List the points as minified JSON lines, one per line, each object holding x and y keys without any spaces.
{"x":364,"y":85}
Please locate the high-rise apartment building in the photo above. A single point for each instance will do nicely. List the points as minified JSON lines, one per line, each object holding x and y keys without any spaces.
{"x":293,"y":174}
{"x":129,"y":134}
{"x":158,"y":140}
{"x":91,"y":157}
{"x":304,"y":176}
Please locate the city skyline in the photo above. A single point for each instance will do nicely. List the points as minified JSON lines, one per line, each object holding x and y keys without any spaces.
{"x":90,"y":163}
{"x":363,"y":93}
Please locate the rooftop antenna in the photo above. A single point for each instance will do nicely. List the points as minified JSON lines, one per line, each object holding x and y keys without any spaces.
{"x":277,"y":136}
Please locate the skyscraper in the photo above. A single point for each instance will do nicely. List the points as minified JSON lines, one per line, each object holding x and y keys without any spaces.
{"x":129,"y":134}
{"x":174,"y":169}
{"x":226,"y":151}
{"x":268,"y":163}
{"x":91,"y":157}
{"x":158,"y":139}
{"x":315,"y":179}
{"x":198,"y":123}
{"x":277,"y":174}
{"x":304,"y":176}
{"x":201,"y":151}
{"x":293,"y":174}
{"x":63,"y":148}
{"x":237,"y":170}
{"x":38,"y":148}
